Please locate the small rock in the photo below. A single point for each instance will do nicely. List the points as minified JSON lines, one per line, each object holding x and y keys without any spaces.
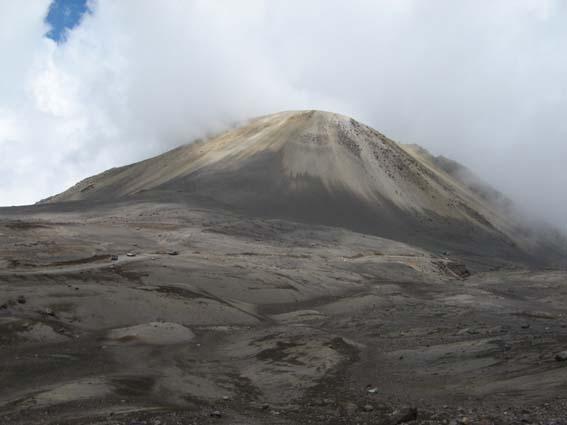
{"x":468,"y":331}
{"x":368,"y":408}
{"x":350,"y":408}
{"x":403,"y":415}
{"x":525,"y":326}
{"x":225,"y":397}
{"x":265,"y":406}
{"x":21,"y":299}
{"x":216,"y":414}
{"x":4,"y":306}
{"x":48,"y":312}
{"x":114,"y":258}
{"x":130,"y":254}
{"x":172,"y":253}
{"x":561,"y":357}
{"x":460,"y":421}
{"x":458,"y":269}
{"x":373,"y":390}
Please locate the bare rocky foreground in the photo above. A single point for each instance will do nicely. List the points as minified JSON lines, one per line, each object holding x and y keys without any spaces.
{"x":301,"y":269}
{"x":261,"y":321}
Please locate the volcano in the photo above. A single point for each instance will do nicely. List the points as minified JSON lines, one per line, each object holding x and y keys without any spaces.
{"x":301,"y":268}
{"x":325,"y":168}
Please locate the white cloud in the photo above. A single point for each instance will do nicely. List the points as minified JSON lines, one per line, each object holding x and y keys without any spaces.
{"x":484,"y":84}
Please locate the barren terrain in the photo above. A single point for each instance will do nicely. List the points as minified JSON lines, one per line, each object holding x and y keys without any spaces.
{"x":176,"y":302}
{"x":263,"y":320}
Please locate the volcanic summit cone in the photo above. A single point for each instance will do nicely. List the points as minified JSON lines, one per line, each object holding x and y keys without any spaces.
{"x":325,"y":168}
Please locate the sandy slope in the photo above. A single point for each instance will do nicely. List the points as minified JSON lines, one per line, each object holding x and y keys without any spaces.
{"x":326,"y":168}
{"x":341,"y":154}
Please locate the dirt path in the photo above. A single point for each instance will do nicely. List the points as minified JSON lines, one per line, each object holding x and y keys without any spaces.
{"x":74,"y":268}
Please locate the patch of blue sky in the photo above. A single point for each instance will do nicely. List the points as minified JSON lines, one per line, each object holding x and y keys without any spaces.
{"x":63,"y":16}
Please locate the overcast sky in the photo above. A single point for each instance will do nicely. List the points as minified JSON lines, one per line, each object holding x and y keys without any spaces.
{"x":484,"y":83}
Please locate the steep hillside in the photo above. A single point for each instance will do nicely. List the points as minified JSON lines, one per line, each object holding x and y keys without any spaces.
{"x":329,"y":169}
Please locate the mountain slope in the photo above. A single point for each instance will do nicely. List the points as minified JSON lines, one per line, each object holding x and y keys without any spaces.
{"x":323,"y":168}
